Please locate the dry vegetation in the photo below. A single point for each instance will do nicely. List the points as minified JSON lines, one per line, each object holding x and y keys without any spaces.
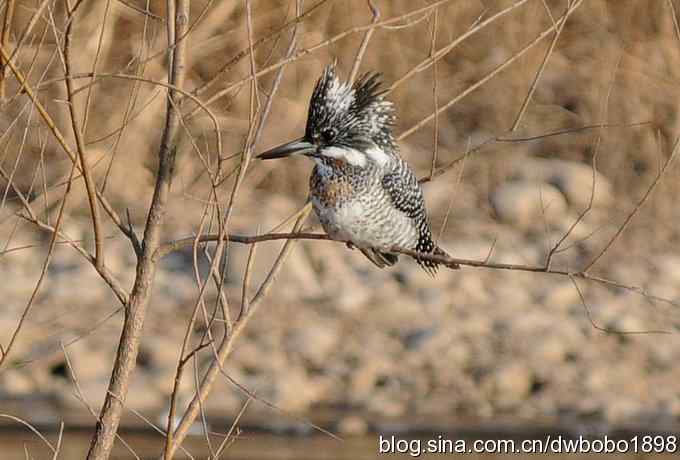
{"x":98,"y":128}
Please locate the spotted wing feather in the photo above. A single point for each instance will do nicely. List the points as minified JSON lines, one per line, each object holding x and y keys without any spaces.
{"x":404,"y":191}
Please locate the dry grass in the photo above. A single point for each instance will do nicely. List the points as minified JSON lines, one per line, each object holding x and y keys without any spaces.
{"x":614,"y":63}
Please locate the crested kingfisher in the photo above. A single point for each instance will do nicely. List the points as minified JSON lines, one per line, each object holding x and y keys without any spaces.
{"x":363,"y":192}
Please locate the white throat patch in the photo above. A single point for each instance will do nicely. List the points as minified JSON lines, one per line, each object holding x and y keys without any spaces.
{"x":351,"y":156}
{"x":379,"y":156}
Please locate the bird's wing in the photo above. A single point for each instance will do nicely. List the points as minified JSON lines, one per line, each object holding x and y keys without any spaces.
{"x":404,"y":191}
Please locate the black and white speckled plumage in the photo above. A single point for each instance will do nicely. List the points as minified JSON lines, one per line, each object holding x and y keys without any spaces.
{"x":361,"y":189}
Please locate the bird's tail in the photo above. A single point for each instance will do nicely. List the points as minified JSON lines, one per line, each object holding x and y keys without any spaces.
{"x":380,"y":259}
{"x":431,"y":266}
{"x":385,"y":259}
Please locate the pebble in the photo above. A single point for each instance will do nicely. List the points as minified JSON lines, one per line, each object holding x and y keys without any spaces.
{"x":528,"y":204}
{"x":353,"y":425}
{"x":573,"y":179}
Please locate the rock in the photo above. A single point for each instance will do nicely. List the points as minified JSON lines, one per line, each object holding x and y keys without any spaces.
{"x":353,"y":425}
{"x":597,"y":381}
{"x":560,"y":295}
{"x":314,"y":343}
{"x":159,"y":351}
{"x":661,"y":357}
{"x":627,"y":324}
{"x":225,"y":399}
{"x":664,"y":288}
{"x":141,"y":398}
{"x":621,"y":410}
{"x":15,"y":383}
{"x":511,"y":385}
{"x":668,"y":266}
{"x":577,"y":231}
{"x":343,"y":276}
{"x":415,"y":339}
{"x":528,"y":205}
{"x":300,"y":273}
{"x":92,"y":393}
{"x":364,"y":380}
{"x":573,"y":179}
{"x":386,"y":406}
{"x":91,"y":359}
{"x":25,"y":342}
{"x":471,"y":288}
{"x":508,"y":295}
{"x":551,"y":352}
{"x":293,"y":391}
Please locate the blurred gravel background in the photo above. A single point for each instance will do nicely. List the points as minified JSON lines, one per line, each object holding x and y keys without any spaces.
{"x":336,"y":333}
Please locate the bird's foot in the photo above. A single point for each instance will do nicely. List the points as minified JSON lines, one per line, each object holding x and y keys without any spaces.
{"x":350,"y":245}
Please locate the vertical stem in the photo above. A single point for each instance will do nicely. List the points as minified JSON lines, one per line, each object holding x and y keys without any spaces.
{"x":126,"y":356}
{"x":80,"y":144}
{"x":6,"y":27}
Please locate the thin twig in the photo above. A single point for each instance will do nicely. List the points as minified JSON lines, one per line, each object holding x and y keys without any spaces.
{"x":52,"y":127}
{"x":323,"y":44}
{"x":246,"y":282}
{"x":182,"y":359}
{"x":246,"y":52}
{"x":488,"y":76}
{"x":4,"y":38}
{"x":637,"y":207}
{"x":493,"y":140}
{"x":435,"y":92}
{"x":541,"y":68}
{"x":30,"y":427}
{"x":80,"y":396}
{"x":233,"y":430}
{"x":375,"y":12}
{"x":442,"y":52}
{"x":604,"y":111}
{"x":596,"y":326}
{"x":85,"y":166}
{"x":59,"y":439}
{"x":228,"y":343}
{"x":43,"y":271}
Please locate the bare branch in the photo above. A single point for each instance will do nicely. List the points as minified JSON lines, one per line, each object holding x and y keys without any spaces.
{"x":43,"y":273}
{"x":541,"y":68}
{"x":30,"y":427}
{"x":637,"y":207}
{"x":78,"y":393}
{"x":320,"y":45}
{"x":49,"y":122}
{"x":4,"y":38}
{"x":450,"y":262}
{"x":458,"y":40}
{"x":364,"y":42}
{"x":435,"y":94}
{"x":85,"y":166}
{"x":228,"y":343}
{"x":493,"y":140}
{"x":126,"y":356}
{"x":490,"y":75}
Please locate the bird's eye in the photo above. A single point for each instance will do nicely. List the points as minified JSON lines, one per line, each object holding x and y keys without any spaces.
{"x":328,"y":134}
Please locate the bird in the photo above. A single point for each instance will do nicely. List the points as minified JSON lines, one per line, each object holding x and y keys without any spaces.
{"x":361,"y":189}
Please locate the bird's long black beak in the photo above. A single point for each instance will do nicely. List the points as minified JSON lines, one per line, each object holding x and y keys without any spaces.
{"x":289,"y":148}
